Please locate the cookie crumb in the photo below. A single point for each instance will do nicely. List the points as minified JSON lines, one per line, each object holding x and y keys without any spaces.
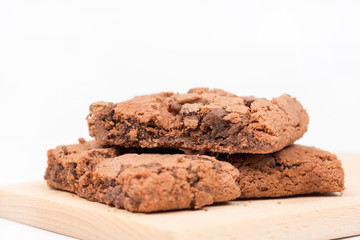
{"x":245,"y":205}
{"x":278,"y":202}
{"x":205,"y":209}
{"x":81,"y":140}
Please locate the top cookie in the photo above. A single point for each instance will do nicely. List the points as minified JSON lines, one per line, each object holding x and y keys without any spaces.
{"x":206,"y":120}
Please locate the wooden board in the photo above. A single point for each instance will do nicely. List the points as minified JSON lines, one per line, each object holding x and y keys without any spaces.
{"x":305,"y":217}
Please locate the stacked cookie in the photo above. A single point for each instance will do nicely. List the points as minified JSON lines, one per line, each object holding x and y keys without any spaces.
{"x":173,"y":151}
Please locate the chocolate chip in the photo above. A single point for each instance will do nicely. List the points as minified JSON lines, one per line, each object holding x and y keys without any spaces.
{"x":248,"y":100}
{"x":174,"y":107}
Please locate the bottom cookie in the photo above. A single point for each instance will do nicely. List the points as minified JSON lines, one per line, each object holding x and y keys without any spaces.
{"x":292,"y":171}
{"x":141,"y":182}
{"x":150,"y":182}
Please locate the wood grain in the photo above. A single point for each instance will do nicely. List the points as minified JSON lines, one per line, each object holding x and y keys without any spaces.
{"x":304,"y":217}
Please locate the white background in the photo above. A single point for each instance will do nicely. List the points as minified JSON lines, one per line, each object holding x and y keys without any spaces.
{"x":57,"y":57}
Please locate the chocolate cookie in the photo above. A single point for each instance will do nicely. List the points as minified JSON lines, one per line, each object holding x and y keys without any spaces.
{"x":291,"y":171}
{"x":141,"y":182}
{"x":202,"y":120}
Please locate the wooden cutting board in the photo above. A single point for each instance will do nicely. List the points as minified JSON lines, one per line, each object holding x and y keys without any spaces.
{"x":304,"y":217}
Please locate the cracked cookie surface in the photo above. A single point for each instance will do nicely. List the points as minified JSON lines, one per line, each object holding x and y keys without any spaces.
{"x":141,"y":182}
{"x":200,"y":120}
{"x":292,"y":171}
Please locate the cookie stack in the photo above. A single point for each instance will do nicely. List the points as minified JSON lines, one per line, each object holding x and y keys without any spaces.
{"x":173,"y":151}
